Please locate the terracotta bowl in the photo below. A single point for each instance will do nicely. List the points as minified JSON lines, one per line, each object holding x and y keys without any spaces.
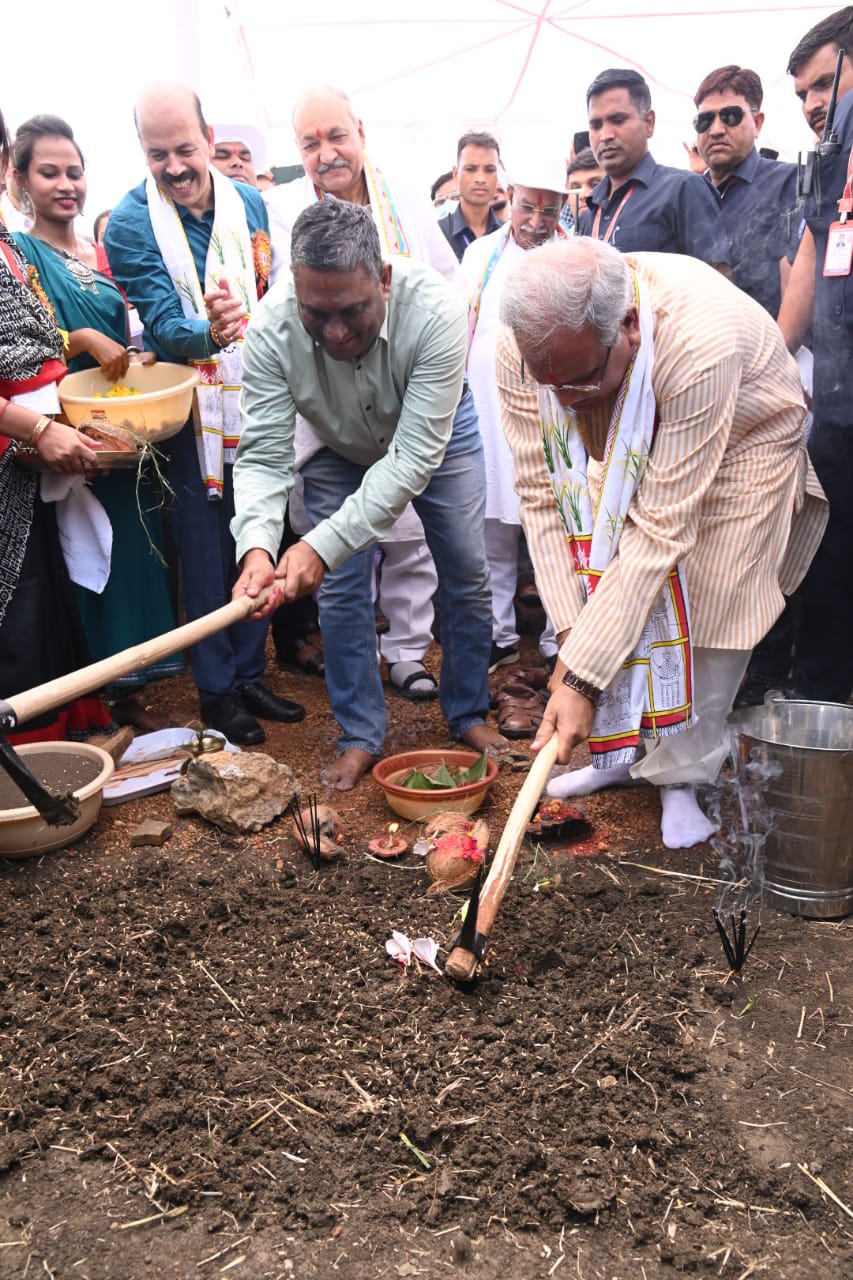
{"x":24,"y":832}
{"x":411,"y":802}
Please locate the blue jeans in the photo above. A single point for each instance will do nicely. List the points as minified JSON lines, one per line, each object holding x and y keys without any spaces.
{"x":452,"y":511}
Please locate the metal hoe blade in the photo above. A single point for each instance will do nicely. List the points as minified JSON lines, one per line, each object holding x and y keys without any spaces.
{"x":57,"y":811}
{"x":468,"y":936}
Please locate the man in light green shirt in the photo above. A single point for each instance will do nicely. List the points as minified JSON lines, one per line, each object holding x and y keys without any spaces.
{"x":373,"y":355}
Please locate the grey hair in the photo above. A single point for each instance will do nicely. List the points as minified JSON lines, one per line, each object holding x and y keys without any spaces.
{"x":569,"y":284}
{"x":322,"y":91}
{"x":336,"y":235}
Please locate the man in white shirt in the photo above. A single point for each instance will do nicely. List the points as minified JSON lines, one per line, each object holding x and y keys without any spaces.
{"x":536,"y":202}
{"x":331,"y":143}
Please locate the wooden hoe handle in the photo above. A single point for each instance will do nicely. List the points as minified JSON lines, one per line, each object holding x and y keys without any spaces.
{"x":34,"y":702}
{"x":461,"y":963}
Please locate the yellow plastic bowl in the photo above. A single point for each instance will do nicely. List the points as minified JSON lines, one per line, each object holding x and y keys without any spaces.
{"x":160,"y":410}
{"x":24,"y":832}
{"x":411,"y":802}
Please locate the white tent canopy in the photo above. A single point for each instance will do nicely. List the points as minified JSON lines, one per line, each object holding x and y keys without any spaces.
{"x":424,"y":74}
{"x":419,"y":75}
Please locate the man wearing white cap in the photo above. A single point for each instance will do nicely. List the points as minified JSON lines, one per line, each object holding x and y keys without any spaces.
{"x":239,"y":151}
{"x":537,"y":195}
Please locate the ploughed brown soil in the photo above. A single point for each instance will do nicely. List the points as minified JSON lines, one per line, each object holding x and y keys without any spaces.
{"x":210,"y":1067}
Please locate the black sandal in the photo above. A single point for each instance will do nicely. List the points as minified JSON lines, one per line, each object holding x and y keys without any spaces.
{"x":405,"y":690}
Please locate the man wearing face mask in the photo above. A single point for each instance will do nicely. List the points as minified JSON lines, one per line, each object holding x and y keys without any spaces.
{"x":536,"y":201}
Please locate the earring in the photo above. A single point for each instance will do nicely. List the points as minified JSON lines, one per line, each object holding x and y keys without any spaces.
{"x":27,"y":208}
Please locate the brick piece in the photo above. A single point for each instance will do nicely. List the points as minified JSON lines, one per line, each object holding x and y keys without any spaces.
{"x":150,"y":832}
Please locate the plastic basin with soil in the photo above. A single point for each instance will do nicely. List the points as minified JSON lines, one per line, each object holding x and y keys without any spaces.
{"x":62,"y":767}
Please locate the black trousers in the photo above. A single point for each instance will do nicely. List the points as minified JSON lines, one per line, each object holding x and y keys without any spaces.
{"x":823,"y":666}
{"x":294,"y":621}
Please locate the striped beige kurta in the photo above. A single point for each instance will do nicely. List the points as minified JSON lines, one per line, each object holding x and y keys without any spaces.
{"x":727,"y":492}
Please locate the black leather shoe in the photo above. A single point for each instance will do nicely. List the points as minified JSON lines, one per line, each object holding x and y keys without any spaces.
{"x":266,"y":704}
{"x":230,"y":716}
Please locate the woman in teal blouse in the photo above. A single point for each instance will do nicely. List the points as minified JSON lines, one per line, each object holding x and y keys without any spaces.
{"x":73,"y":277}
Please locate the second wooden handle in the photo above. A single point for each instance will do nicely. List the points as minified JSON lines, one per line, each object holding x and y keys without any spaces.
{"x":461,"y":964}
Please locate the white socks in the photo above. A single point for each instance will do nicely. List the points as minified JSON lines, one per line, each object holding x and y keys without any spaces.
{"x":683,"y":823}
{"x":583,"y":782}
{"x":423,"y":687}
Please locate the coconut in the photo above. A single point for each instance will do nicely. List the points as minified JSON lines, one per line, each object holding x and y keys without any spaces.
{"x":457,"y":850}
{"x":448,"y":821}
{"x":331,"y":835}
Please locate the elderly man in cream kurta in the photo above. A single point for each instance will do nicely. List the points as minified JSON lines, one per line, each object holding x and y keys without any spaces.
{"x":656,"y":423}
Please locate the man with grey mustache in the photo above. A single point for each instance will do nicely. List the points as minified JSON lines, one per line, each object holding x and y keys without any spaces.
{"x":331,"y":143}
{"x":330,"y":137}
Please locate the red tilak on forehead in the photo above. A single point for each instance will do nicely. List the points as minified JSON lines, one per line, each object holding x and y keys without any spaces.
{"x":318,"y":133}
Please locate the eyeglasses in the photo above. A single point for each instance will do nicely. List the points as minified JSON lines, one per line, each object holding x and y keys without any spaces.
{"x":549,"y":211}
{"x":574,"y":388}
{"x":729,"y":116}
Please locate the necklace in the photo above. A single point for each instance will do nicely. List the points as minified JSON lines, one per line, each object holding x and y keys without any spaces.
{"x":76,"y":268}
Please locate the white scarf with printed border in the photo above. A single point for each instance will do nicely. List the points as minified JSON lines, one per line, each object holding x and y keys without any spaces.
{"x":651,"y":695}
{"x":229,"y":255}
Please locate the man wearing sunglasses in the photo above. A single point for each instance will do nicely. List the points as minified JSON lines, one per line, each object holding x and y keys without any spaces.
{"x":657,"y":493}
{"x":639,"y":204}
{"x":757,"y":196}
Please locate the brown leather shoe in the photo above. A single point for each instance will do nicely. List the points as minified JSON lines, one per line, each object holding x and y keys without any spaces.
{"x":532,"y":677}
{"x":520,"y":710}
{"x":304,"y":654}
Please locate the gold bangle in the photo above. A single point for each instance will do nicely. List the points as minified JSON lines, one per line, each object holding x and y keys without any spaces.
{"x":38,"y":431}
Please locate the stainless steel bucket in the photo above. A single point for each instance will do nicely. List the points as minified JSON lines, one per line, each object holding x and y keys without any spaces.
{"x":799,"y":757}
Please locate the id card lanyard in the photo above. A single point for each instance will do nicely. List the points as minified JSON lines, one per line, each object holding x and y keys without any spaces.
{"x":612,"y":225}
{"x":839,"y":241}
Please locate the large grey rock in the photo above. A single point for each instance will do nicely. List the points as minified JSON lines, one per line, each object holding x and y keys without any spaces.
{"x":237,"y":792}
